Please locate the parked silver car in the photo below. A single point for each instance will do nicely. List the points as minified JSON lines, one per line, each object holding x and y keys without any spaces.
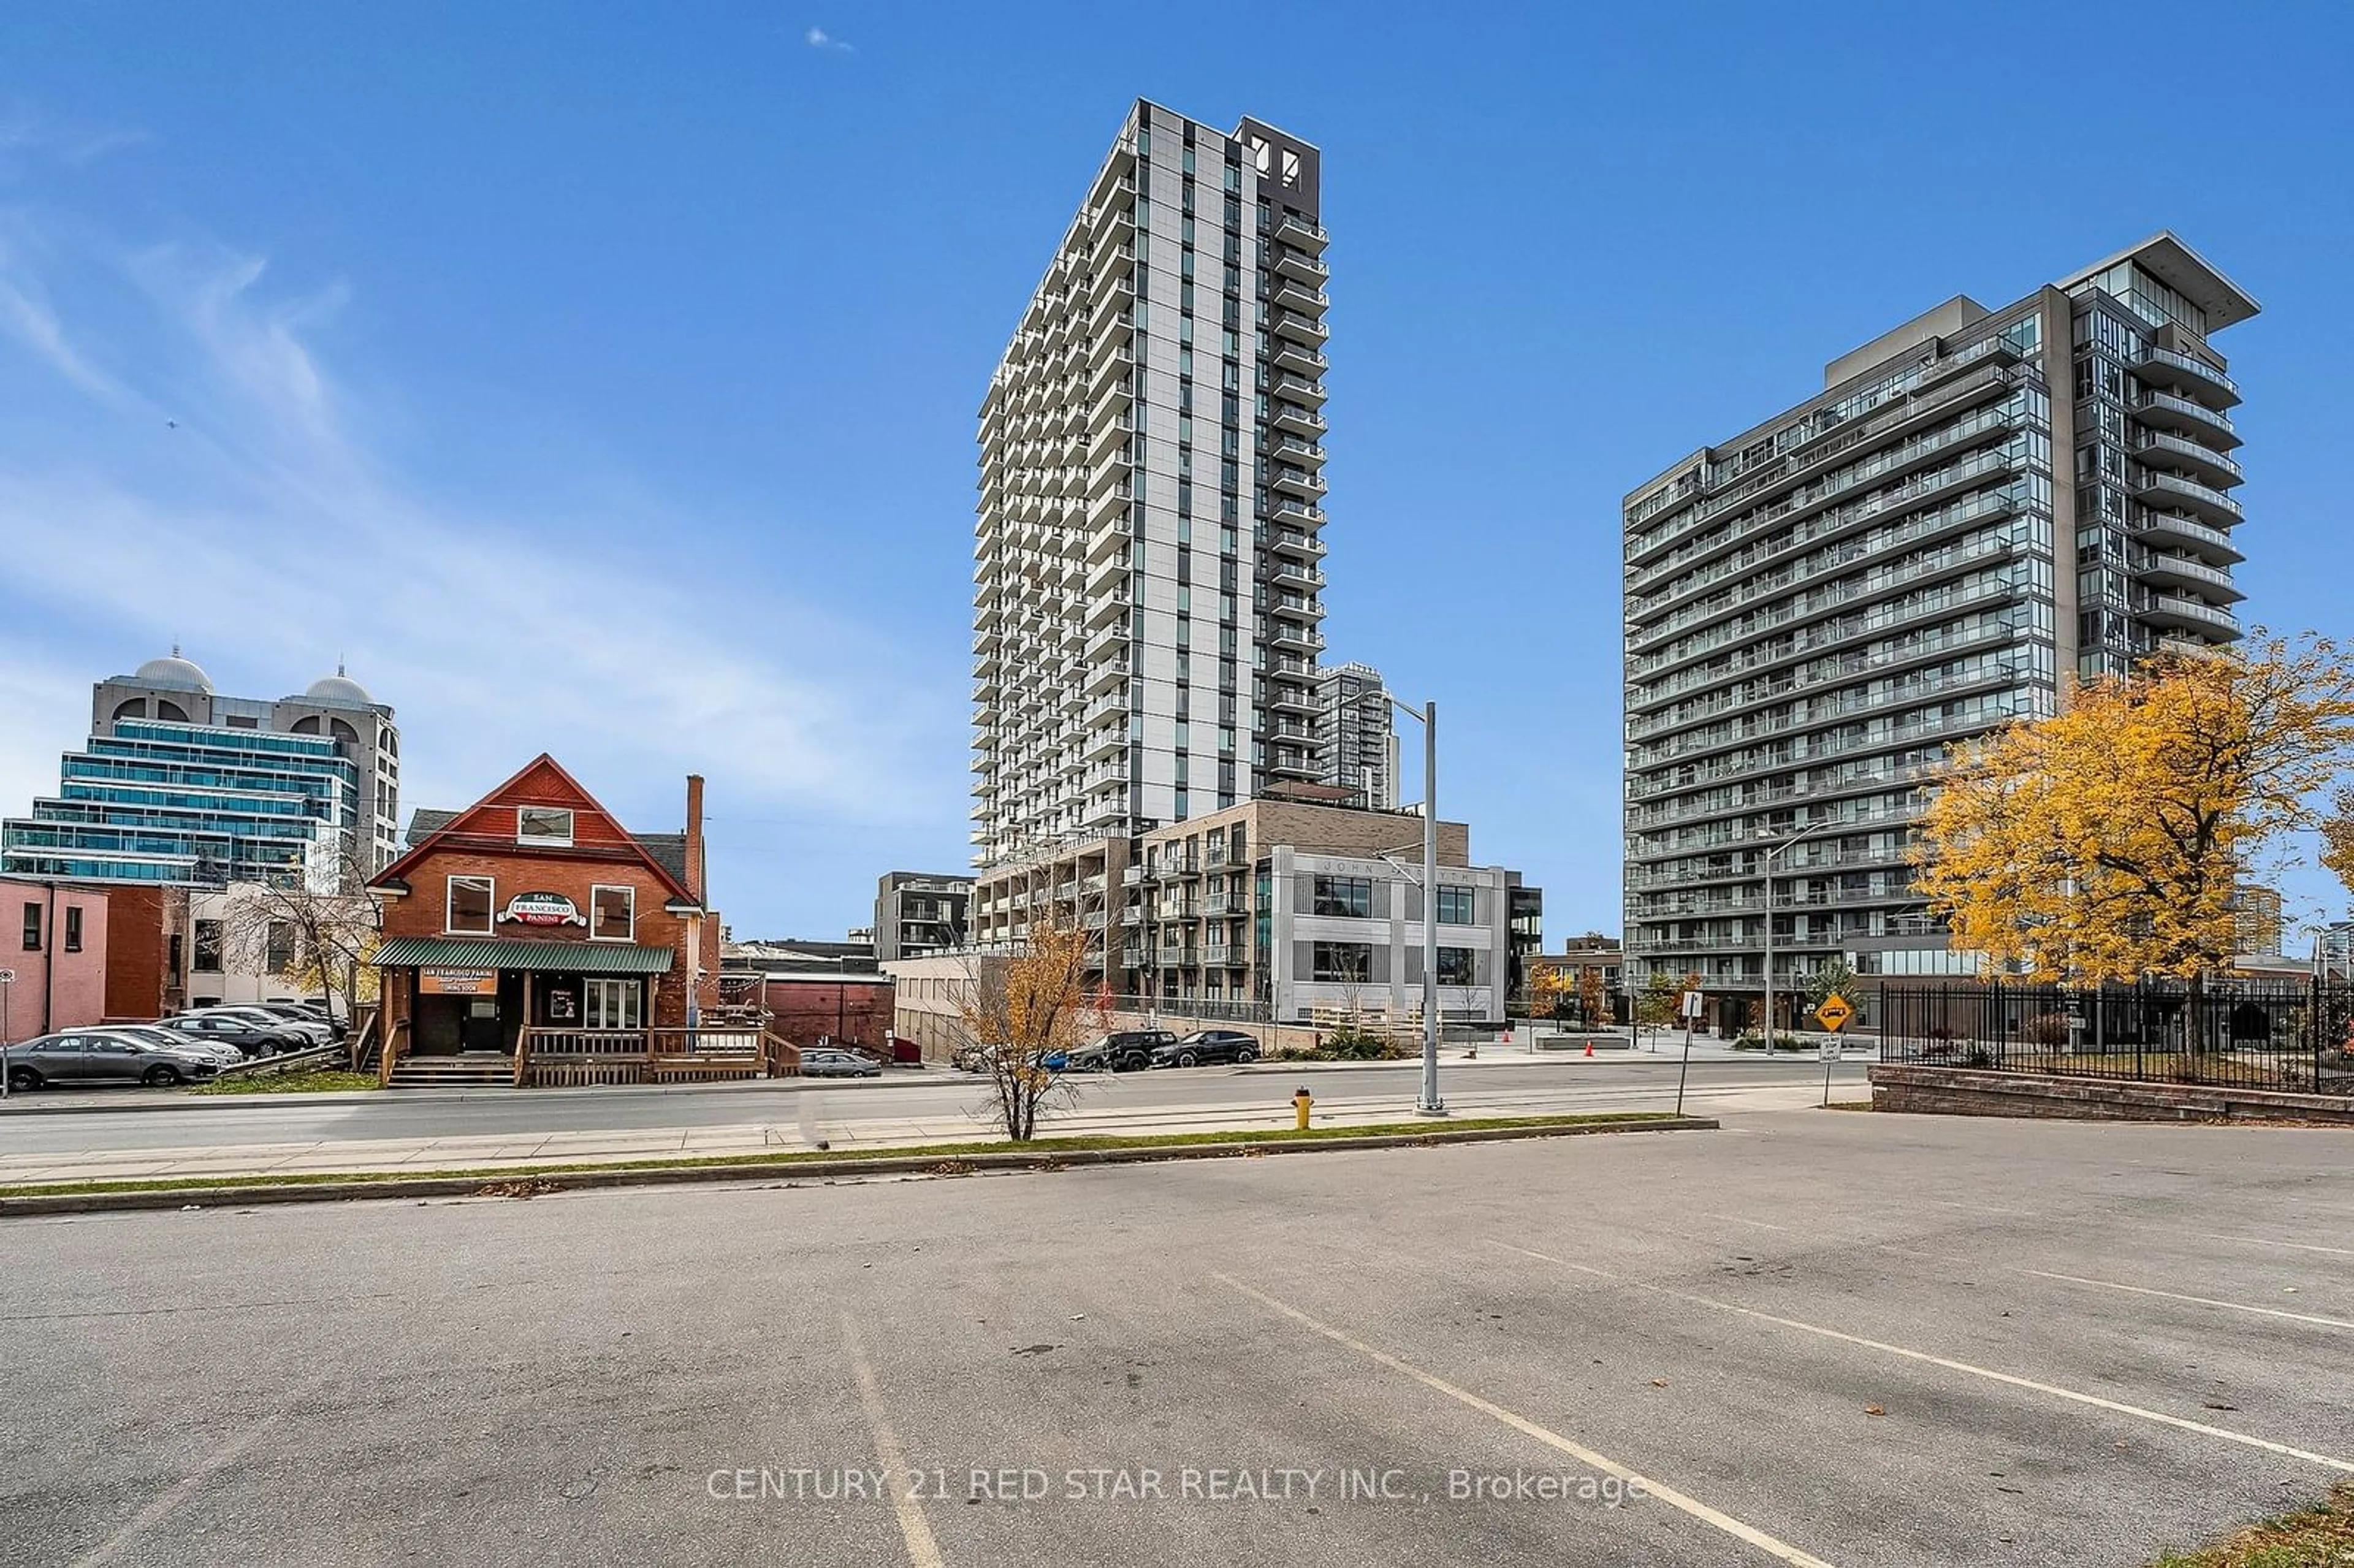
{"x":219,"y":1053}
{"x":820,"y":1063}
{"x":101,"y":1058}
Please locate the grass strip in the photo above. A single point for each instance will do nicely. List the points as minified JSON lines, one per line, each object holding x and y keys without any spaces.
{"x":320,"y":1081}
{"x":2321,"y":1536}
{"x":944,"y":1151}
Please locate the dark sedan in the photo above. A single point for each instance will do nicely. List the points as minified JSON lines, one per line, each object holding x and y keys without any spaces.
{"x":827,"y":1064}
{"x":1204,"y":1046}
{"x":90,"y":1058}
{"x":249,"y":1036}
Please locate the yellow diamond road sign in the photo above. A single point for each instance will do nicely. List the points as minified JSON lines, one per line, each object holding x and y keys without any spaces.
{"x":1834,"y":1013}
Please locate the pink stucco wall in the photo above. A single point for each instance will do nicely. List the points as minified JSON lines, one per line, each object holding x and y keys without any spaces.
{"x":54,"y":988}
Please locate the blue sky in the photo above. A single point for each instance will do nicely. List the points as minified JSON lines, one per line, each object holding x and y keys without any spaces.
{"x":602,"y":379}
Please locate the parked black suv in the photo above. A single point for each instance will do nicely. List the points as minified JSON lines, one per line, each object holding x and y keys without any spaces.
{"x":1127,"y":1051}
{"x":1204,"y":1045}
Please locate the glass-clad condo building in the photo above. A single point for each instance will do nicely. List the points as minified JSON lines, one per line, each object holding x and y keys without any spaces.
{"x":1979,"y":503}
{"x":179,"y":785}
{"x":1147,"y":573}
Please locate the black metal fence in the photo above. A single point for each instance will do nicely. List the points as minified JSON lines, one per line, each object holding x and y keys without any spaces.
{"x":2291,"y":1035}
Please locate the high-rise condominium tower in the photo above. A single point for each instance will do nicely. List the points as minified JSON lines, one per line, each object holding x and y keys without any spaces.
{"x":1146,"y":610}
{"x":1977,"y":503}
{"x":1359,"y":733}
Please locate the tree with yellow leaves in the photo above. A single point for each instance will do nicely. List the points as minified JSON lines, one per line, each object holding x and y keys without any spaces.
{"x":2104,"y":844}
{"x":1550,"y":989}
{"x":2337,"y":837}
{"x":1026,"y":1011}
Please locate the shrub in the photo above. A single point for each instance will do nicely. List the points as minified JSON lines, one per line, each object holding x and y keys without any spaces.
{"x":2047,"y":1029}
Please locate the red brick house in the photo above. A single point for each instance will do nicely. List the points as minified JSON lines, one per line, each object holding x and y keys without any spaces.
{"x":532,"y":937}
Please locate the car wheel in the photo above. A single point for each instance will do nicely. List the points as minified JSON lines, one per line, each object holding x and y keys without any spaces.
{"x":159,"y":1076}
{"x":1246,"y":1057}
{"x":1186,"y":1058}
{"x":23,"y":1079}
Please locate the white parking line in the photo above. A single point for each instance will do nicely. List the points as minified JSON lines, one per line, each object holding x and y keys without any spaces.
{"x":2200,"y":1300}
{"x":1551,"y":1439}
{"x":2093,"y":1400}
{"x":1738,"y":1220}
{"x":2268,"y":1241}
{"x":923,"y":1551}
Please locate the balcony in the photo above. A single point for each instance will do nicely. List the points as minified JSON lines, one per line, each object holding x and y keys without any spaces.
{"x":1294,"y":543}
{"x":2169,"y":528}
{"x":1297,"y":606}
{"x":1307,"y":297}
{"x":1299,"y":358}
{"x":1297,"y":328}
{"x":1290,"y":574}
{"x":1108,"y":607}
{"x":2187,"y":572}
{"x":1299,"y":452}
{"x":1299,"y":234}
{"x":2177,"y":613}
{"x":1304,"y":267}
{"x":1292,"y":389}
{"x":2164,"y":367}
{"x":1294,"y":635}
{"x":1298,"y":482}
{"x":2166,"y":490}
{"x":1111,"y":674}
{"x":1291,"y":511}
{"x":2202,"y":463}
{"x":2163,"y":410}
{"x":1288,"y":699}
{"x":1104,"y":641}
{"x":1294,"y":420}
{"x":1110,"y":740}
{"x":1221,"y":954}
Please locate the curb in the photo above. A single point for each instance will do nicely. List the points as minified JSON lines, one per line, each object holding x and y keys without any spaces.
{"x":682,"y":1175}
{"x":101,"y":1102}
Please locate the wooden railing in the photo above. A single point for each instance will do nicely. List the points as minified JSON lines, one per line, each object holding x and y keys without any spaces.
{"x":734,"y":1040}
{"x":362,"y":1032}
{"x":396,"y":1043}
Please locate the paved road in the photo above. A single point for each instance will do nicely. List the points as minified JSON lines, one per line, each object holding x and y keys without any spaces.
{"x":1817,"y":1337}
{"x":948,"y":1097}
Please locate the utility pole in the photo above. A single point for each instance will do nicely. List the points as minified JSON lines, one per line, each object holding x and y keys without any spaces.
{"x":1772,"y":853}
{"x":1429,"y":1104}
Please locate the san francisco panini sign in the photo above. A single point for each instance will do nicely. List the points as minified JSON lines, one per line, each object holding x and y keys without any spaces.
{"x":542,"y":909}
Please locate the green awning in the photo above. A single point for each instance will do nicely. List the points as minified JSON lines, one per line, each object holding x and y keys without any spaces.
{"x":562,"y":957}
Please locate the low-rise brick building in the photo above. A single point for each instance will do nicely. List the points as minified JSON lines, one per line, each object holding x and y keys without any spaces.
{"x":533,"y":922}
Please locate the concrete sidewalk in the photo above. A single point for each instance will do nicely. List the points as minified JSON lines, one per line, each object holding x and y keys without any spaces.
{"x":814,"y":1131}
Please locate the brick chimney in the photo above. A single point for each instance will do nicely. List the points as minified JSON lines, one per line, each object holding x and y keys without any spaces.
{"x":695,"y":882}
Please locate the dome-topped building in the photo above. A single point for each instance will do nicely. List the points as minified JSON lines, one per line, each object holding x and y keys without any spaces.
{"x":181,"y":784}
{"x":338,"y":690}
{"x":174,"y":673}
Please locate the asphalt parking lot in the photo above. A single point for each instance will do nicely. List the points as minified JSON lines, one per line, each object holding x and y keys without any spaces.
{"x":1812,"y":1336}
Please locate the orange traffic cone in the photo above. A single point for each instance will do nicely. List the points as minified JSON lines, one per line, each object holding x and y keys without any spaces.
{"x":1589,"y":1047}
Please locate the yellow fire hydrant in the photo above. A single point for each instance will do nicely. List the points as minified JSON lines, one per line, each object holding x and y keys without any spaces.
{"x":1301,"y":1104}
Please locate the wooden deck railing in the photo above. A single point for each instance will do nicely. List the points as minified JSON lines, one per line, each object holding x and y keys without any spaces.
{"x":363,"y":1034}
{"x":396,"y":1043}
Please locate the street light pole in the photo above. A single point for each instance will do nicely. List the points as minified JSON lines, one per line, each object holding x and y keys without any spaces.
{"x":1772,"y":853}
{"x":1429,"y":1104}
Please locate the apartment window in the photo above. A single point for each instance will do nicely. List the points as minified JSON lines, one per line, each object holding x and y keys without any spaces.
{"x":208,"y":948}
{"x":277,"y":948}
{"x":613,"y":1005}
{"x":1454,"y":905}
{"x":548,"y":826}
{"x":1351,"y":896}
{"x":175,"y":952}
{"x":73,"y":929}
{"x":612,"y":913}
{"x":1454,"y":965}
{"x":1343,"y":962}
{"x":32,"y":927}
{"x":468,"y":909}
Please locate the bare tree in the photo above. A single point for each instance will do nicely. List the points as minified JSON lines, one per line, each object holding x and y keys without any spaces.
{"x":317,"y":931}
{"x":1025,"y":1009}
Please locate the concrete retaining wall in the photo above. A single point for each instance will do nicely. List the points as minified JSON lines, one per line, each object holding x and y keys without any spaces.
{"x":1963,"y":1091}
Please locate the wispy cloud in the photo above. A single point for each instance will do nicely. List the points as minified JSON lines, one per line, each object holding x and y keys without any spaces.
{"x":819,"y":38}
{"x":260,"y":526}
{"x":25,"y":130}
